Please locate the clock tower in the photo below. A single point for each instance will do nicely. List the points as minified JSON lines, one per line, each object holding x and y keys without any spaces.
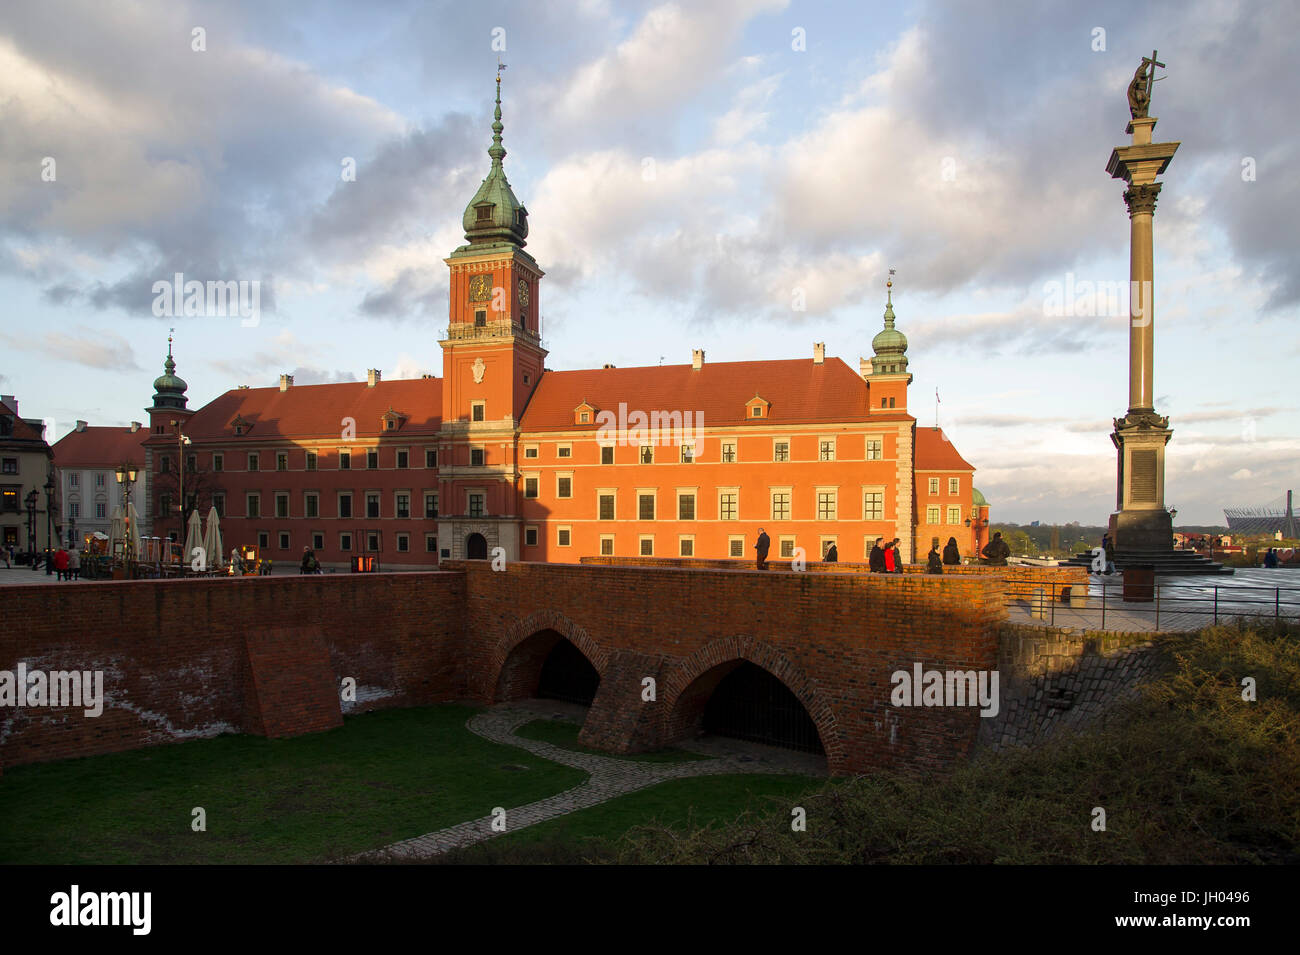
{"x":492,"y":359}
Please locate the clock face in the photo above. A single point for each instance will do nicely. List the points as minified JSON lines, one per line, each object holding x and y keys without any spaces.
{"x":480,"y":288}
{"x":523,"y":293}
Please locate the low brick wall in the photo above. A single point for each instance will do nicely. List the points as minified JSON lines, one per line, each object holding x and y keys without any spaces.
{"x":1021,"y":581}
{"x":184,"y":659}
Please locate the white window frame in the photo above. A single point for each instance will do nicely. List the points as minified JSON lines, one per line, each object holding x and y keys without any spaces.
{"x":933,"y":514}
{"x":559,"y":476}
{"x":873,"y":489}
{"x":694,"y":493}
{"x":641,"y":541}
{"x":771,"y":499}
{"x":653,"y":493}
{"x":781,"y":548}
{"x":954,"y":514}
{"x":563,"y":529}
{"x":822,"y":440}
{"x":932,"y":485}
{"x":954,"y":485}
{"x":606,"y":492}
{"x":531,"y":528}
{"x":879,"y":441}
{"x":683,"y":539}
{"x":722,"y":492}
{"x":736,"y":539}
{"x":834,"y":492}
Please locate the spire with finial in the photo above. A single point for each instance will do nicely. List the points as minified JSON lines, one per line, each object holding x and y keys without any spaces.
{"x":494,"y":216}
{"x":169,"y":389}
{"x":889,"y":345}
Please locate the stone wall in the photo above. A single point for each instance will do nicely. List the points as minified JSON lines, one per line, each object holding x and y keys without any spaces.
{"x":1055,"y":678}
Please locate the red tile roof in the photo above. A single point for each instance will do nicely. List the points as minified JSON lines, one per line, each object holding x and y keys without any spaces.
{"x":799,"y":391}
{"x":101,"y":448}
{"x":934,"y":452}
{"x":317,"y":411}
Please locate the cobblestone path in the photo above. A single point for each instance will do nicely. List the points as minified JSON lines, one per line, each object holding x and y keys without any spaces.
{"x":610,"y":776}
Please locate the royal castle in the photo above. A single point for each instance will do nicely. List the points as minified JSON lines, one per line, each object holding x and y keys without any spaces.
{"x":684,"y":460}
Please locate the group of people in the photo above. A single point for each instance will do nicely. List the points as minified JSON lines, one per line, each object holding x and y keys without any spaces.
{"x":884,"y":558}
{"x":66,"y":561}
{"x":1271,"y":558}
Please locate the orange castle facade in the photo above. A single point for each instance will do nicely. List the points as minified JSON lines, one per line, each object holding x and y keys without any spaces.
{"x":501,"y":452}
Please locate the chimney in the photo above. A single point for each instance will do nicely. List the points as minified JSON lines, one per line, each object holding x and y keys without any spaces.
{"x":697,"y":358}
{"x":286,"y":382}
{"x":136,"y":426}
{"x":864,"y":367}
{"x":819,"y":353}
{"x":81,"y":425}
{"x":10,"y":402}
{"x":372,"y":377}
{"x":608,"y":365}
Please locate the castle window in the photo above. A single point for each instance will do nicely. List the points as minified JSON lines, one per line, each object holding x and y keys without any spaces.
{"x":281,"y":461}
{"x":480,"y":319}
{"x":345,"y":542}
{"x":564,"y":486}
{"x":605,"y":507}
{"x":954,"y":485}
{"x":478,"y":411}
{"x":476,"y":505}
{"x":372,"y":460}
{"x":345,"y":460}
{"x":311,"y":460}
{"x":758,"y":411}
{"x":530,"y":487}
{"x":430,"y":458}
{"x":826,"y":451}
{"x":954,"y":515}
{"x":606,"y":546}
{"x":564,"y":536}
{"x":530,"y":536}
{"x":825,"y":505}
{"x":729,"y":452}
{"x":736,"y":546}
{"x":403,"y":459}
{"x":873,"y":505}
{"x":483,"y":214}
{"x":647,"y":546}
{"x":781,"y":451}
{"x":685,"y":505}
{"x":873,"y":449}
{"x":476,"y":457}
{"x":607,"y":455}
{"x":647,"y":454}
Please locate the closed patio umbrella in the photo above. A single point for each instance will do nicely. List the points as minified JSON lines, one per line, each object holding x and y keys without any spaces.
{"x":116,"y":528}
{"x":193,"y":536}
{"x":134,"y":530}
{"x":212,"y":540}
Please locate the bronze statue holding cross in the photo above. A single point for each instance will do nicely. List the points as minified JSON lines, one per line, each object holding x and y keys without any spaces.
{"x":1139,"y":91}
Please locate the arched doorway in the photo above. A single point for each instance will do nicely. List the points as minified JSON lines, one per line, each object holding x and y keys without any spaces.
{"x":476,"y":547}
{"x":548,"y":665}
{"x":741,"y":700}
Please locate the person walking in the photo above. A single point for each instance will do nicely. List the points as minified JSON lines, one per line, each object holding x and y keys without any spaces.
{"x":891,"y":556}
{"x":6,"y":554}
{"x":61,"y":564}
{"x":832,"y":555}
{"x":74,"y":564}
{"x":898,"y":557}
{"x":1270,"y":559}
{"x":762,"y":546}
{"x":1108,"y":548}
{"x":951,"y":553}
{"x":876,"y":559}
{"x":934,"y":563}
{"x":308,"y":565}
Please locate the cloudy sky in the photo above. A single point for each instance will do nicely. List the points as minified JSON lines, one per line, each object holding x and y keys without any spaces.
{"x":690,"y":170}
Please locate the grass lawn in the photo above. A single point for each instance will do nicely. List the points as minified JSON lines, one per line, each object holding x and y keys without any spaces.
{"x":381,"y":777}
{"x":564,"y":734}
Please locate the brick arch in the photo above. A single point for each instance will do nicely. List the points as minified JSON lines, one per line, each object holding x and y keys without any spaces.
{"x":739,"y":648}
{"x":525,"y":628}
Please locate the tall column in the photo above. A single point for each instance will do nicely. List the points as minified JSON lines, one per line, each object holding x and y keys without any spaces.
{"x":1142,"y":522}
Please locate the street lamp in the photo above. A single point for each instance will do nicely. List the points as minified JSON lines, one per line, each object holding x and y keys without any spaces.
{"x":49,"y":524}
{"x":181,"y":441}
{"x":126,"y":479}
{"x":31,"y":499}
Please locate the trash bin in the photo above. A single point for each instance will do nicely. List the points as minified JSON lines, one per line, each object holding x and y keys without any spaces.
{"x":1139,"y":583}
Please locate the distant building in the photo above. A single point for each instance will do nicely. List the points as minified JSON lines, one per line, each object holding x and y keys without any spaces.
{"x":86,"y":460}
{"x":26,"y":468}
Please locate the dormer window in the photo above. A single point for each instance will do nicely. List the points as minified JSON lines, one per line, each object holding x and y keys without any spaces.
{"x":585,"y":413}
{"x":757,"y":407}
{"x":483,"y":214}
{"x":241,"y":425}
{"x":757,"y":411}
{"x":391,"y":420}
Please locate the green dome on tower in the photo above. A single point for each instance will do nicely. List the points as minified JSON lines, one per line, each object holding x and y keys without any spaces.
{"x":169,"y":388}
{"x":494,"y":216}
{"x":889,"y":345}
{"x":977,"y":499}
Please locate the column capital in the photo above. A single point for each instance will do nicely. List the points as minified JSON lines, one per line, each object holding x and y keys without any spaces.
{"x":1141,"y":199}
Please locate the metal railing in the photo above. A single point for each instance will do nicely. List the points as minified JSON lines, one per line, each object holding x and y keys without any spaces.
{"x":1053,"y":600}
